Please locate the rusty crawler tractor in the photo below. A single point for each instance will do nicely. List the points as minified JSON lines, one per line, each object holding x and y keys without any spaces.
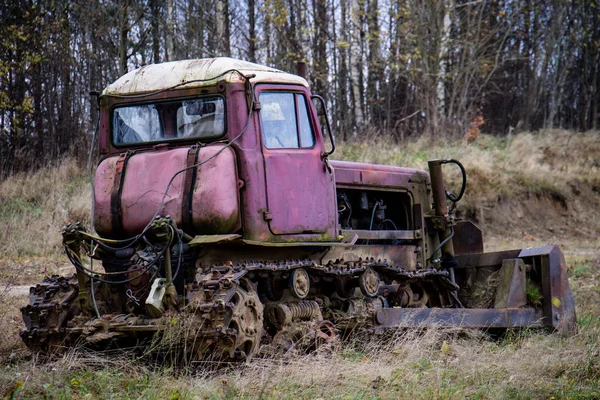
{"x":216,"y":203}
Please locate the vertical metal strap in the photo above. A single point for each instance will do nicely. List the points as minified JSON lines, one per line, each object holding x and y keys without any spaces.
{"x":115,"y":197}
{"x":188,"y":189}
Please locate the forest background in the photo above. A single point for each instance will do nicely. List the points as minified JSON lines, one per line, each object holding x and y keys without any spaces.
{"x":394,"y":68}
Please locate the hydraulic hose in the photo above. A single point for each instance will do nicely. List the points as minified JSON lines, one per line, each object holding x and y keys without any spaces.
{"x":450,"y":196}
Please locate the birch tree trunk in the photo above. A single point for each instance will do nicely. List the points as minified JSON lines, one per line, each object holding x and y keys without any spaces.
{"x":251,"y":30}
{"x":223,"y":46}
{"x":444,"y":40}
{"x":123,"y":10}
{"x":170,"y":56}
{"x":356,"y":62}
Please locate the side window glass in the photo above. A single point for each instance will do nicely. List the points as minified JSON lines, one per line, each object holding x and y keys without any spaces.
{"x":278,"y":115}
{"x":285,"y":121}
{"x":307,"y":138}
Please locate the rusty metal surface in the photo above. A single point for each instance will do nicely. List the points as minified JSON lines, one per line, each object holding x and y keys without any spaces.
{"x":511,"y":287}
{"x":52,"y":304}
{"x":485,"y":259}
{"x":165,"y":75}
{"x":404,"y":256}
{"x":453,"y":317}
{"x":212,"y":239}
{"x":215,"y":198}
{"x":382,"y":235}
{"x":295,"y":245}
{"x":348,"y":174}
{"x":439,"y":197}
{"x":558,"y":301}
{"x":558,"y":304}
{"x":467,"y":239}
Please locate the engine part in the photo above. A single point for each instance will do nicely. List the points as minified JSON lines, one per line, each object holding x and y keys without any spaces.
{"x":154,"y":301}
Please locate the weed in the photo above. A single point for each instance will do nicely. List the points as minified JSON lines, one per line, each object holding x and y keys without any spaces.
{"x":534,"y":293}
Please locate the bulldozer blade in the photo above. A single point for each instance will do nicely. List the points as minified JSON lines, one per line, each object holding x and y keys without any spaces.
{"x":545,"y":264}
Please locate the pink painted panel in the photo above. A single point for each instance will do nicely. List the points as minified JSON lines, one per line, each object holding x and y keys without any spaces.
{"x":362,"y":174}
{"x":300,"y":191}
{"x":105,"y":175}
{"x":146,"y":180}
{"x":215,"y":203}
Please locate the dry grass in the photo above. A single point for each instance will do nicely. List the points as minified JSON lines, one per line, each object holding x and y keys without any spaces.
{"x":11,"y":346}
{"x":436,"y":363}
{"x":526,"y":191}
{"x":33,"y":209}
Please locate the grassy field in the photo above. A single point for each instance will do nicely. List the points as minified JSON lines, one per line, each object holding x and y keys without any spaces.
{"x":524,"y":191}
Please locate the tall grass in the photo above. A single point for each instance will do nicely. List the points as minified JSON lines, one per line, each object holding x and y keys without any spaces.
{"x":431,"y":364}
{"x":33,"y":208}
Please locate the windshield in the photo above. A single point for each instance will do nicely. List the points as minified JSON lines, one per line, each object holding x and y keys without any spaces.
{"x":202,"y":118}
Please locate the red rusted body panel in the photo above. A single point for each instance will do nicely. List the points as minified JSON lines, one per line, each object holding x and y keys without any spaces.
{"x":280,"y":209}
{"x":302,"y":204}
{"x":215,"y":199}
{"x":349,"y":174}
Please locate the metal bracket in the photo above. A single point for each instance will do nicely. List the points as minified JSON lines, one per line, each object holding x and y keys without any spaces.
{"x":267,"y":216}
{"x":436,"y":223}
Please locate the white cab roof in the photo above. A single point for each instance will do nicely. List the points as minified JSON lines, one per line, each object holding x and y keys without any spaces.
{"x":166,"y":75}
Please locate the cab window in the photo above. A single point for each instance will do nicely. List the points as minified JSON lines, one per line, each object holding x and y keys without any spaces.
{"x":194,"y":118}
{"x":285,"y":121}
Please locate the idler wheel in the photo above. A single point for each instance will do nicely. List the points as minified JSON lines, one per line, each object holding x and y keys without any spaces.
{"x":299,"y":283}
{"x":369,"y":282}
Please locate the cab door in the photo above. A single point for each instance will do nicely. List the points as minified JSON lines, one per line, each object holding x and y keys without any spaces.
{"x":300,"y":188}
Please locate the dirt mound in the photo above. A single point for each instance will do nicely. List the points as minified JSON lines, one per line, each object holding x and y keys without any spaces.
{"x":536,"y":217}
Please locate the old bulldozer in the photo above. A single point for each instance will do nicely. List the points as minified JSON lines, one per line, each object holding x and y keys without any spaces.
{"x":217,"y":208}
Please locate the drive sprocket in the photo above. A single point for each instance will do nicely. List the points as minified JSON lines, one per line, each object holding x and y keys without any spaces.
{"x":231,"y":316}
